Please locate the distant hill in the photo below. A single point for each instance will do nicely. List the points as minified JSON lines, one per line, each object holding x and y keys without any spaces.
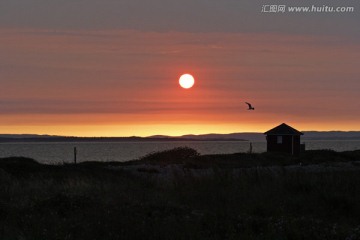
{"x":253,"y":137}
{"x":258,"y":137}
{"x":35,"y":138}
{"x":331,"y":135}
{"x":308,"y":135}
{"x":25,"y":136}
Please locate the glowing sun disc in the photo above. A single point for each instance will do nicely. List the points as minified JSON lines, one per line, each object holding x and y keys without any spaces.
{"x":186,"y":81}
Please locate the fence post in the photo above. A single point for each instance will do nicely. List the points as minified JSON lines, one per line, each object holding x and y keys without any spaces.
{"x":250,"y":148}
{"x":75,"y":153}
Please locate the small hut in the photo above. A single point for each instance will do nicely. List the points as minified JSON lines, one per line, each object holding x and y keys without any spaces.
{"x":284,"y":138}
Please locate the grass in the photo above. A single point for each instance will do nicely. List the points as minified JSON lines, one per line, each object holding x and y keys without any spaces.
{"x":192,"y":159}
{"x":243,"y":197}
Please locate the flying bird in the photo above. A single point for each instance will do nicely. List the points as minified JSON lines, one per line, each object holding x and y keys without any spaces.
{"x":250,"y":107}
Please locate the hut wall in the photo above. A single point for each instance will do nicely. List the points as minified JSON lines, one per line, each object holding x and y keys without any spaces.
{"x":285,"y":146}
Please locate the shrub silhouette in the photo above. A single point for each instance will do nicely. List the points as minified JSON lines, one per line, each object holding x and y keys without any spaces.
{"x":20,"y":165}
{"x":173,"y":156}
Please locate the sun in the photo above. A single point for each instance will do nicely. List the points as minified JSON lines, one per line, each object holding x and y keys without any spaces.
{"x":186,"y":81}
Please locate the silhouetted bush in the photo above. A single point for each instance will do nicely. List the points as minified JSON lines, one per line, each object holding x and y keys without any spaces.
{"x":190,"y":158}
{"x":173,"y":156}
{"x":18,"y":161}
{"x":20,"y":165}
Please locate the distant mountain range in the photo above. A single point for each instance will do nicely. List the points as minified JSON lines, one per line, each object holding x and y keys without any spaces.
{"x":258,"y":137}
{"x":253,"y":137}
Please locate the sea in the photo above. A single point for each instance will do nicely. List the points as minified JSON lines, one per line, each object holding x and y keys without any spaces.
{"x":58,"y":153}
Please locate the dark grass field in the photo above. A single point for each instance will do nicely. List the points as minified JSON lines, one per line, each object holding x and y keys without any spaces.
{"x":240,"y":197}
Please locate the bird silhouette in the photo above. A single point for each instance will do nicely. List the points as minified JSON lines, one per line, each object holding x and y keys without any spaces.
{"x":250,"y":107}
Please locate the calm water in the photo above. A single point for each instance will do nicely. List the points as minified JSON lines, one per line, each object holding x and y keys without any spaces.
{"x":124,"y":151}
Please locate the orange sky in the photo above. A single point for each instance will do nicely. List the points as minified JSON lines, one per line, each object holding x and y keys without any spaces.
{"x":123,"y":83}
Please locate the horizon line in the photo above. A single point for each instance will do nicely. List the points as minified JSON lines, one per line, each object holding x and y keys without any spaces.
{"x":163,"y":135}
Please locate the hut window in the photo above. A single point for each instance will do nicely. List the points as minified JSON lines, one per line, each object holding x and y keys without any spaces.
{"x":279,"y":140}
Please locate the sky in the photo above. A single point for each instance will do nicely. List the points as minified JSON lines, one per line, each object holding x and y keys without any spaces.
{"x":111,"y":67}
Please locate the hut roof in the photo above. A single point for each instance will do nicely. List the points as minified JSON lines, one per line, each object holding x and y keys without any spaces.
{"x":283,"y":129}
